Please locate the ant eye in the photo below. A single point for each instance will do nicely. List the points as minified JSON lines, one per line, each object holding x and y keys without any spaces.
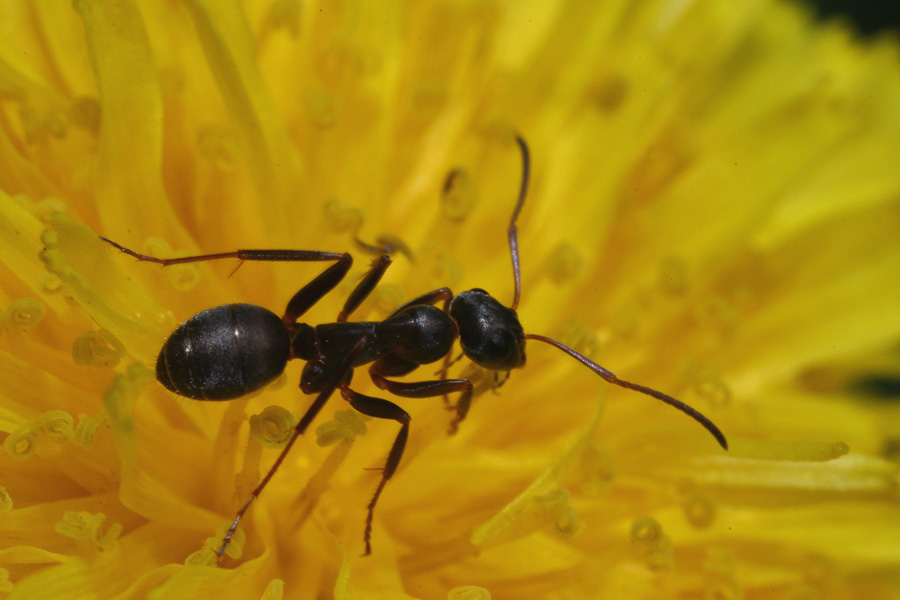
{"x":500,"y":346}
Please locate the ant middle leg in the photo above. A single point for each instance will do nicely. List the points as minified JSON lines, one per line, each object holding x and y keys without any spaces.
{"x":380,"y":409}
{"x":430,"y":389}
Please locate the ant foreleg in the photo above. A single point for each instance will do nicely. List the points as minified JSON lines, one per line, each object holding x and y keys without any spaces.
{"x":380,"y":409}
{"x":431,"y":389}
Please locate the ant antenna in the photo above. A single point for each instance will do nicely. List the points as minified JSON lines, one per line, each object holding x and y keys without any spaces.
{"x":606,"y":374}
{"x":513,"y":231}
{"x":610,"y":377}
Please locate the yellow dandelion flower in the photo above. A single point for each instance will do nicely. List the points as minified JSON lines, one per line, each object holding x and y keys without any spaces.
{"x":714,"y":211}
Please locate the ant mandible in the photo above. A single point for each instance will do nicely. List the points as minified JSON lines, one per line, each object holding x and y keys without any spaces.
{"x":228,"y":351}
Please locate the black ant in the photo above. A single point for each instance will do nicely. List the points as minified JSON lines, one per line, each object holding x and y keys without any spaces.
{"x":228,"y":351}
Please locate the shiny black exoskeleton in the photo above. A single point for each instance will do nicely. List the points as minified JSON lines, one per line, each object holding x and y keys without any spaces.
{"x":489,"y":333}
{"x":229,"y":351}
{"x":197,"y":361}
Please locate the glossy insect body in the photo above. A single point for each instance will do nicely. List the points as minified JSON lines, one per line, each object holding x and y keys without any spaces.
{"x":232,"y":350}
{"x":489,"y":333}
{"x":412,"y":336}
{"x":228,"y":351}
{"x":199,"y":358}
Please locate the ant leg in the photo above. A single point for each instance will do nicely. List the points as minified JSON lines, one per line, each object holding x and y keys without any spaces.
{"x":365,"y":286}
{"x":391,"y":365}
{"x":340,"y":372}
{"x":313,"y":291}
{"x":302,"y":300}
{"x":380,"y":409}
{"x":266,"y":255}
{"x":431,"y":298}
{"x":430,"y":389}
{"x":384,"y":244}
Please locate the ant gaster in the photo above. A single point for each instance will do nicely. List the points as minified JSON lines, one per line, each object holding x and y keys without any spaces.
{"x":229,"y":351}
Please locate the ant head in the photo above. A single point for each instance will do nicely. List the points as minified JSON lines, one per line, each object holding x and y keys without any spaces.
{"x":490,"y":334}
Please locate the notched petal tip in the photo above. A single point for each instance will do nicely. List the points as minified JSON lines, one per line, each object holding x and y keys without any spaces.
{"x":347,"y":424}
{"x":565,"y":263}
{"x":699,"y":510}
{"x":469,"y":592}
{"x":646,"y":531}
{"x":87,"y":426}
{"x":549,"y":510}
{"x":98,"y":349}
{"x":459,"y":195}
{"x":45,"y":434}
{"x":274,"y":590}
{"x":652,"y":543}
{"x":86,"y":527}
{"x":788,"y":450}
{"x":21,"y":443}
{"x":6,"y":502}
{"x":273,"y":427}
{"x":6,"y":585}
{"x":25,"y":314}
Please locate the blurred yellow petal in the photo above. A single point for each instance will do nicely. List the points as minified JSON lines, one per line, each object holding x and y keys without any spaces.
{"x":713,"y":212}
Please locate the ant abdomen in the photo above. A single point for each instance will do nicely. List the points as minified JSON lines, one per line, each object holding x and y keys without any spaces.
{"x":224,"y":353}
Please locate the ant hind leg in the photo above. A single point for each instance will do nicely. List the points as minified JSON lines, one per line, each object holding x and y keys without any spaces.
{"x":380,"y":409}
